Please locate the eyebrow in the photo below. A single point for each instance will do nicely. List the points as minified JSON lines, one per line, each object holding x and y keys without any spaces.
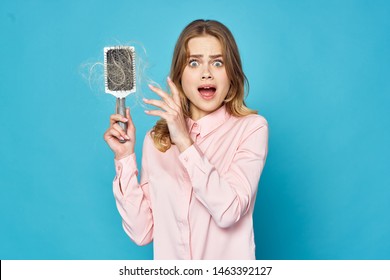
{"x":201,"y":55}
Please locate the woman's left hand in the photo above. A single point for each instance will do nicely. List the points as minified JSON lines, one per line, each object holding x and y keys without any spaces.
{"x":171,"y":111}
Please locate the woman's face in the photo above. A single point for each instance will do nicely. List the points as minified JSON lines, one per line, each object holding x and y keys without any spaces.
{"x":204,"y":80}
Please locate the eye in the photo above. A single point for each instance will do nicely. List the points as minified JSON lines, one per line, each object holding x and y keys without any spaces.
{"x":193,"y":63}
{"x":217,"y":63}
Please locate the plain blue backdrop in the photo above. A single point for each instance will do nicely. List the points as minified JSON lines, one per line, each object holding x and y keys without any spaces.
{"x":318,"y":71}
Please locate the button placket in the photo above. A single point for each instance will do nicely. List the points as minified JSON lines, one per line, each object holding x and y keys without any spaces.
{"x":184,"y":226}
{"x":195,"y":131}
{"x":119,"y":170}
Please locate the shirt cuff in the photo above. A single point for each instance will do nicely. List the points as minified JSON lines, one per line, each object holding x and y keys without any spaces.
{"x":127,"y":163}
{"x":193,"y":157}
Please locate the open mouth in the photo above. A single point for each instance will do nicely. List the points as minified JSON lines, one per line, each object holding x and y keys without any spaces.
{"x":207,"y":91}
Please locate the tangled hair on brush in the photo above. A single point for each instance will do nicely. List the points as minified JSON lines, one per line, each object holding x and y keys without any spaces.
{"x":234,"y":101}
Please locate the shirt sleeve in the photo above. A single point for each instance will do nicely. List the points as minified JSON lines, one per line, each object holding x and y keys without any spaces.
{"x":229,"y":196}
{"x":133,"y":200}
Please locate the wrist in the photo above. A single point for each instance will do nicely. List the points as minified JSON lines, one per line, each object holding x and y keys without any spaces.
{"x":184,"y":144}
{"x":124,"y":155}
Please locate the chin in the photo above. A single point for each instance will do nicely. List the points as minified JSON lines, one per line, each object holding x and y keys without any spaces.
{"x":209,"y":107}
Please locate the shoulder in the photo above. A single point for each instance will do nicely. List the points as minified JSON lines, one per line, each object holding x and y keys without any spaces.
{"x":148,"y":148}
{"x":148,"y":140}
{"x":252,"y":126}
{"x":251,"y":132}
{"x":251,"y":122}
{"x":255,"y":118}
{"x":149,"y":144}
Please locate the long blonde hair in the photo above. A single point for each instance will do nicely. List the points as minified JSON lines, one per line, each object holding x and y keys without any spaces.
{"x":234,"y":101}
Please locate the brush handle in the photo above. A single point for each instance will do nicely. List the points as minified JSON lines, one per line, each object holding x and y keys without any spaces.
{"x":120,"y":108}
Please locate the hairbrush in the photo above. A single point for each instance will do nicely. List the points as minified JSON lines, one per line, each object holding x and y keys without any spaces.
{"x":119,"y":76}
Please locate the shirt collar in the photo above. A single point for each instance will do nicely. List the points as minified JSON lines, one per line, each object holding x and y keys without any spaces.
{"x":208,"y":123}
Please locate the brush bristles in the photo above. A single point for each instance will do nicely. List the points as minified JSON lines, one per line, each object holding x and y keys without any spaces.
{"x":119,"y":70}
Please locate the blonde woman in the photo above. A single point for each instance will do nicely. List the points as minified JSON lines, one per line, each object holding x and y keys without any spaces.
{"x":201,"y":162}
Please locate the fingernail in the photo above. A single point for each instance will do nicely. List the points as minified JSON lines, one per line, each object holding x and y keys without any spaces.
{"x":145,"y":100}
{"x":121,"y":138}
{"x":146,"y":111}
{"x":125,"y":120}
{"x":169,"y":79}
{"x":151,"y":86}
{"x":127,"y":137}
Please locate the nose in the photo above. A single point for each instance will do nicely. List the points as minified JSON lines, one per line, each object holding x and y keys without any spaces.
{"x":206,"y":75}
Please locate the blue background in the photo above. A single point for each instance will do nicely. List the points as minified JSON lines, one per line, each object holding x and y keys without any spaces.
{"x":318,"y":71}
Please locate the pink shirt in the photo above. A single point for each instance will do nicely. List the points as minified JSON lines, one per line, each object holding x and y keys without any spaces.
{"x":197,"y":204}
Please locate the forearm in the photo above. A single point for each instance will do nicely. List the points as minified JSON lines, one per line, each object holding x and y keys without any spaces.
{"x":227,"y":197}
{"x":228,"y":192}
{"x":131,"y":201}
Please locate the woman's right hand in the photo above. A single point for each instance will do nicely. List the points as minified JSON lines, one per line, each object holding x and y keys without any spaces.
{"x":115,"y":133}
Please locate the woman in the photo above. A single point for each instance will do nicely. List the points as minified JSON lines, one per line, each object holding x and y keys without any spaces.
{"x":201,"y":162}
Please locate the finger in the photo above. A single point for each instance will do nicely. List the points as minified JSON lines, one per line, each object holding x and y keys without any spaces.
{"x":122,"y":133}
{"x":113,"y":133}
{"x":117,"y":118}
{"x":157,"y":113}
{"x":165,"y":96}
{"x":159,"y":92}
{"x":130,"y":124}
{"x":128,"y":116}
{"x":158,"y":103}
{"x":175,"y":91}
